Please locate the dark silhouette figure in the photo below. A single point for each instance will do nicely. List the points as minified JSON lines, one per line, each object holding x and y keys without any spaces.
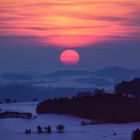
{"x":49,"y":129}
{"x":114,"y":134}
{"x":60,"y":128}
{"x":39,"y":129}
{"x":28,"y":131}
{"x":136,"y":134}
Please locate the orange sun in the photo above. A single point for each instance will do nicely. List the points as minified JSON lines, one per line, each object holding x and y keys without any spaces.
{"x":69,"y":57}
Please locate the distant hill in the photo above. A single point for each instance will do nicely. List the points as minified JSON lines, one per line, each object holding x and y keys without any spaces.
{"x":16,"y":76}
{"x":23,"y":92}
{"x":29,"y":85}
{"x":96,"y":81}
{"x":118,"y":73}
{"x":105,"y":76}
{"x":68,"y":73}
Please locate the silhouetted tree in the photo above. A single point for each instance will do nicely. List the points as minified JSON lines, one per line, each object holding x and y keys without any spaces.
{"x":136,"y":134}
{"x":114,"y":134}
{"x":60,"y":128}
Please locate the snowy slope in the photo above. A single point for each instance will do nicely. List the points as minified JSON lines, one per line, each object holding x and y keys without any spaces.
{"x":13,"y":129}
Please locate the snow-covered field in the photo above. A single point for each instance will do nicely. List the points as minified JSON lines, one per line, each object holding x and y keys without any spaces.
{"x":13,"y":129}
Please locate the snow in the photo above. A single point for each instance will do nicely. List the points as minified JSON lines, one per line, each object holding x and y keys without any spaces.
{"x":13,"y":129}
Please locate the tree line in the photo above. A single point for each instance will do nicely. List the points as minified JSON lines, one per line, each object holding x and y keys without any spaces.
{"x":103,"y":107}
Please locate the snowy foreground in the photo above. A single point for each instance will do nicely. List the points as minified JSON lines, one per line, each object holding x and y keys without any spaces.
{"x":13,"y":129}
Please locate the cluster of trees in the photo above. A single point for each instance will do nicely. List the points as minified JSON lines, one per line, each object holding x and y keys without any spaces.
{"x":136,"y":134}
{"x":129,"y":88}
{"x":103,"y":107}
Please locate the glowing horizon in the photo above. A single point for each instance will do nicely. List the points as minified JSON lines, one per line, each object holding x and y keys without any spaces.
{"x":69,"y":23}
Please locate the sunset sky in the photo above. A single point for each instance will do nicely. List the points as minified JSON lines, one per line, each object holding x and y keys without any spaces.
{"x":34,"y":33}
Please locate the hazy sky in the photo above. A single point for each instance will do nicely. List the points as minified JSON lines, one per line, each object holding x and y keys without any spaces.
{"x":34,"y":33}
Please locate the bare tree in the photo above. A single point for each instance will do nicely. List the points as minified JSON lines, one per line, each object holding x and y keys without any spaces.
{"x":60,"y":128}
